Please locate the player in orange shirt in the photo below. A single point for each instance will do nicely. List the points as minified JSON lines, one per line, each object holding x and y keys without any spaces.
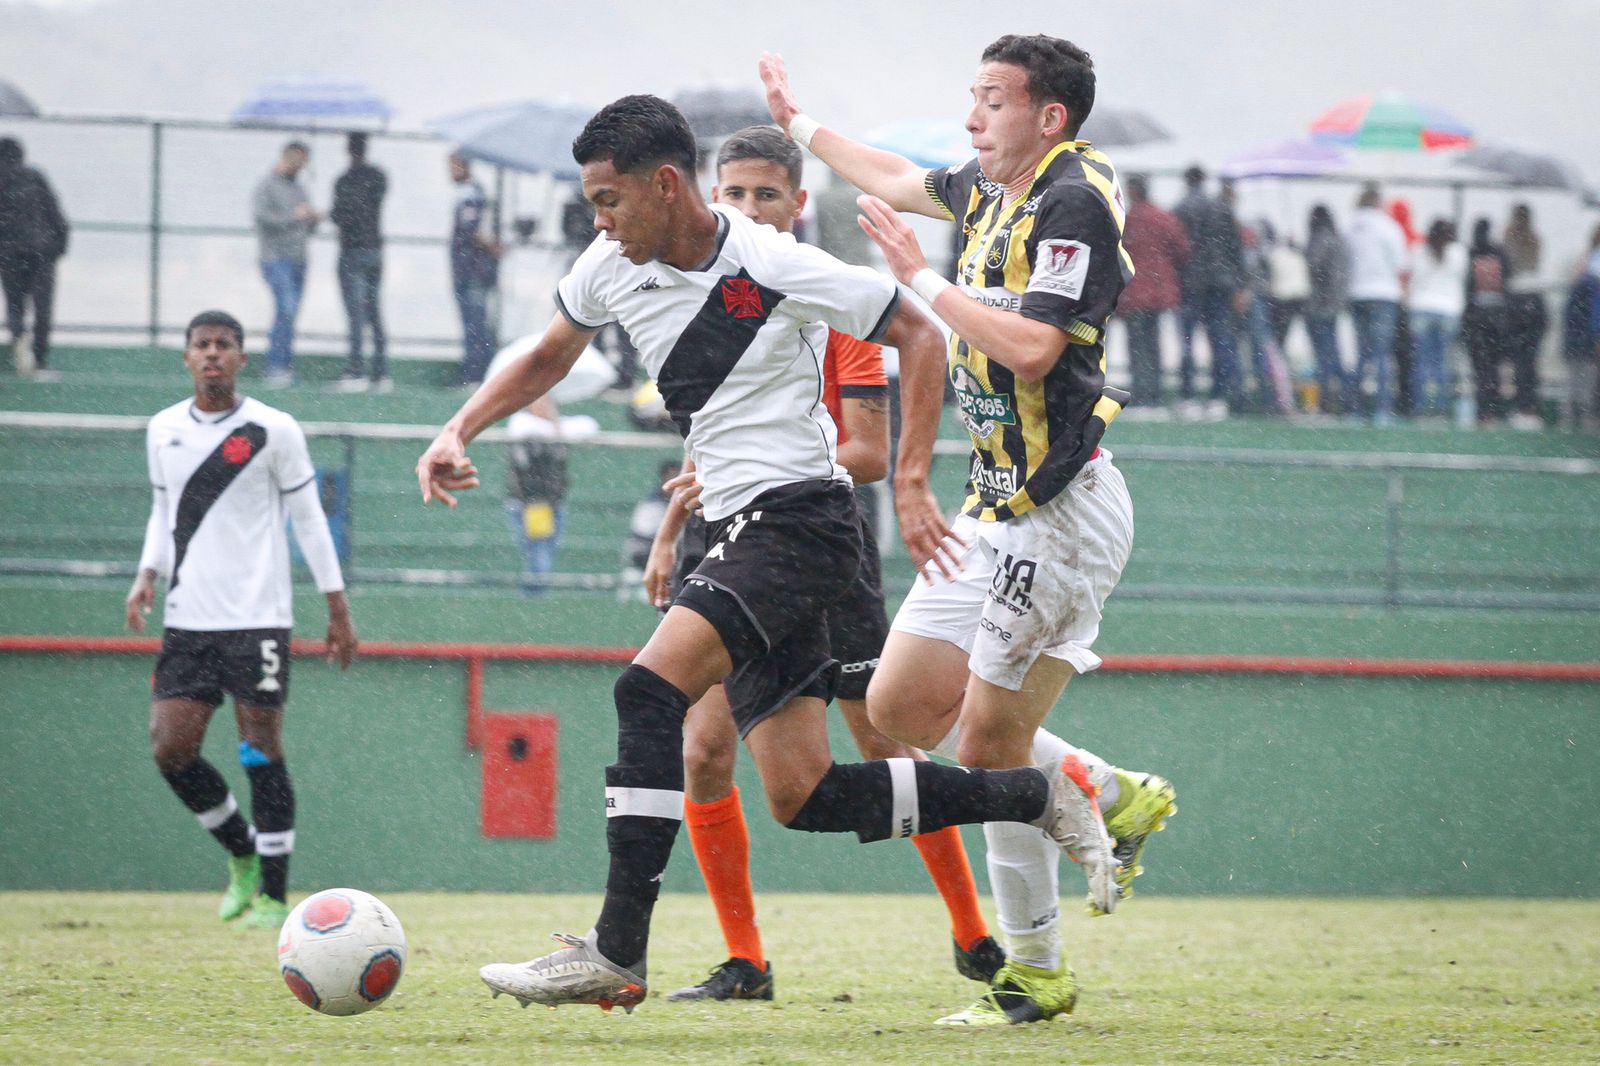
{"x":758,"y":171}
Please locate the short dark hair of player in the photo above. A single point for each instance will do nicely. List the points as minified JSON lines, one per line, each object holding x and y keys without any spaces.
{"x":214,"y":318}
{"x":767,"y":143}
{"x":635,"y":133}
{"x":1059,"y":72}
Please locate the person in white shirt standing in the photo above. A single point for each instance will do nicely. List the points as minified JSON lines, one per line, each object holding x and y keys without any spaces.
{"x":1436,"y":295}
{"x":1377,"y":259}
{"x":226,"y":471}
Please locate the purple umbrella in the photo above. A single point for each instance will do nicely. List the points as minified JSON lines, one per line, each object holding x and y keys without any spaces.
{"x":1285,"y":159}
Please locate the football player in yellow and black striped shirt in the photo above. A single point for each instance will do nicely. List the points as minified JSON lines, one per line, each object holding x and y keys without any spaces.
{"x":974,"y":664}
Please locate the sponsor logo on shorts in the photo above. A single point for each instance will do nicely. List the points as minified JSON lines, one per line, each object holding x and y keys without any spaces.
{"x":1003,"y":634}
{"x":739,"y":522}
{"x":1013,"y":583}
{"x":860,"y":667}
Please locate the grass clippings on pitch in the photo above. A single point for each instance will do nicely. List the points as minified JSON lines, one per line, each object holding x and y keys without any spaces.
{"x":153,"y":978}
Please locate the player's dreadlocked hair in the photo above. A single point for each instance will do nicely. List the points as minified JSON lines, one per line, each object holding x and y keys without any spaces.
{"x":1059,"y":72}
{"x":636,"y":132}
{"x":767,"y":143}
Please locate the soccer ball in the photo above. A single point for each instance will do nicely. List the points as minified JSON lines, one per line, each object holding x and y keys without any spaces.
{"x":341,"y":951}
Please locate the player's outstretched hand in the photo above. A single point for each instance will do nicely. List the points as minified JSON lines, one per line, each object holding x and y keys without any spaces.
{"x":444,"y":469}
{"x":928,"y":537}
{"x":890,"y":233}
{"x":780,"y":99}
{"x":141,"y":599}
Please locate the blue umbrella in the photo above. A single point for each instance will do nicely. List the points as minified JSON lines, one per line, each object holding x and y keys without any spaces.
{"x":1285,"y":159}
{"x":532,"y":135}
{"x":306,"y":97}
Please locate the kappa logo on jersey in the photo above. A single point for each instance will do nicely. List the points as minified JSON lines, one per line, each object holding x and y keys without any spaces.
{"x":739,"y":522}
{"x":1013,"y":581}
{"x":1060,"y":268}
{"x":742,"y":298}
{"x":649,"y":284}
{"x":237,"y":450}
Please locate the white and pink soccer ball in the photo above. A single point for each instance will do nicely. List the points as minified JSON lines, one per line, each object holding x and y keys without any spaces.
{"x":342,"y":951}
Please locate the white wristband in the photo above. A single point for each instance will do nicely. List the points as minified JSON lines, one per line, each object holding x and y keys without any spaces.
{"x":802,"y":128}
{"x":927,"y":284}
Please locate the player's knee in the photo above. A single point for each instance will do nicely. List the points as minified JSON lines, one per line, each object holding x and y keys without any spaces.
{"x":788,"y":797}
{"x":994,"y":748}
{"x":171,"y":750}
{"x":708,"y":764}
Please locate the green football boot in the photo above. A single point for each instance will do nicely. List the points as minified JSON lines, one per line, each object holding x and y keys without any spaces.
{"x":1021,"y":993}
{"x":1144,"y":804}
{"x":266,"y":913}
{"x":244,"y":877}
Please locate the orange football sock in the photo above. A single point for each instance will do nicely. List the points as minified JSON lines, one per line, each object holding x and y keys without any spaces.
{"x":946,"y":859}
{"x":722,"y":848}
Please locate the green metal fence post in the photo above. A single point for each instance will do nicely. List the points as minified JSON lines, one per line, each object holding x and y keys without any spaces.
{"x":155,"y":235}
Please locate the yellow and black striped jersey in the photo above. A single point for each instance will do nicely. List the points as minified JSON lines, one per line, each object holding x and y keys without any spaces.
{"x":1054,"y":255}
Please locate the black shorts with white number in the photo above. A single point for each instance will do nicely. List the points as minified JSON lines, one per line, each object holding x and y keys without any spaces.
{"x":766,"y":584}
{"x":251,"y":665}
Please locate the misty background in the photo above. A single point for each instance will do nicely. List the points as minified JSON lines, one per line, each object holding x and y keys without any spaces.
{"x":1220,"y":75}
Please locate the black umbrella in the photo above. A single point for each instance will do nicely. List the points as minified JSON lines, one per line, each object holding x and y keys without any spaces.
{"x":1112,"y":127}
{"x":14,"y":103}
{"x":716,"y":111}
{"x":1521,"y":167}
{"x":533,"y":135}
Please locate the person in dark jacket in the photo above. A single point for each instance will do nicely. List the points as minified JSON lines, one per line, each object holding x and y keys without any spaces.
{"x":1485,"y":328}
{"x":1328,"y":262}
{"x":1159,"y":246}
{"x":357,"y":206}
{"x":33,"y":236}
{"x":1213,"y":290}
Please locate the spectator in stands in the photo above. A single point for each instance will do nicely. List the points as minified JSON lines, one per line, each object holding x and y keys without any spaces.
{"x":1436,"y":295}
{"x":357,"y":207}
{"x":1213,"y":293}
{"x":536,"y":486}
{"x":33,"y":235}
{"x":284,"y":221}
{"x":1377,"y":257}
{"x":1159,"y":245}
{"x":1253,"y":322}
{"x":474,"y":269}
{"x":1581,"y":341}
{"x":1527,"y":318}
{"x":1404,"y":343}
{"x":1328,"y":263}
{"x":1484,"y":328}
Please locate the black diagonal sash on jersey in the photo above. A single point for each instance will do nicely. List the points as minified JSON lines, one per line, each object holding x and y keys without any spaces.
{"x":209,"y":480}
{"x":712,"y":344}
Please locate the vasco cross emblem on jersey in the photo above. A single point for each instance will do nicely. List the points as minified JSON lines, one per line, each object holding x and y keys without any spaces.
{"x":742,"y":298}
{"x":1060,"y":268}
{"x":236,"y":450}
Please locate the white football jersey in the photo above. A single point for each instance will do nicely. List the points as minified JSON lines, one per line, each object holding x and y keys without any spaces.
{"x":736,"y":346}
{"x":221,"y":483}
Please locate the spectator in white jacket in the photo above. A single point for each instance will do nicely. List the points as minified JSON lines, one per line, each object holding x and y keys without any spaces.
{"x":1377,"y":259}
{"x":1436,"y":297}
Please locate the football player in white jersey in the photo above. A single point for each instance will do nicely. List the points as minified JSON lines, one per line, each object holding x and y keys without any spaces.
{"x":731,"y":320}
{"x":226,"y":472}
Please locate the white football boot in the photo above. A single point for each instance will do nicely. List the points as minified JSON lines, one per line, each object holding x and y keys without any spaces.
{"x":578,"y":973}
{"x":1072,"y":819}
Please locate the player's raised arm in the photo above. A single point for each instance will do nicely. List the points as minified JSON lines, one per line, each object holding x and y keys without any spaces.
{"x":894,"y":178}
{"x":922,"y":525}
{"x":444,"y":468}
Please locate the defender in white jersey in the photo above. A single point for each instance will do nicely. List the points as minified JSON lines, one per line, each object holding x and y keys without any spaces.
{"x":731,"y":318}
{"x":226,"y":472}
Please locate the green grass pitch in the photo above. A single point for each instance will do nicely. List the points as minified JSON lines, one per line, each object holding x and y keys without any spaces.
{"x":154,"y":978}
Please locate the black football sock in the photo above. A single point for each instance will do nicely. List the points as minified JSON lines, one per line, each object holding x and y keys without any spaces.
{"x":644,"y":807}
{"x":203,"y":791}
{"x":893,"y":798}
{"x":272,"y":807}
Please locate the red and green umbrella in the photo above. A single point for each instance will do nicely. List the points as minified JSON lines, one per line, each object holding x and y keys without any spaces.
{"x":1390,"y":121}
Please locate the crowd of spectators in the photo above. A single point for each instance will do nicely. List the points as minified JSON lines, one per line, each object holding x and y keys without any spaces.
{"x":1440,"y":329}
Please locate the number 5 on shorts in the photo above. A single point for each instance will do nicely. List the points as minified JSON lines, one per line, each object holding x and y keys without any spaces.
{"x":269,"y":666}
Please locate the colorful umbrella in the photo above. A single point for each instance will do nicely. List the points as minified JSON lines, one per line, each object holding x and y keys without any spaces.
{"x":1391,"y":121}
